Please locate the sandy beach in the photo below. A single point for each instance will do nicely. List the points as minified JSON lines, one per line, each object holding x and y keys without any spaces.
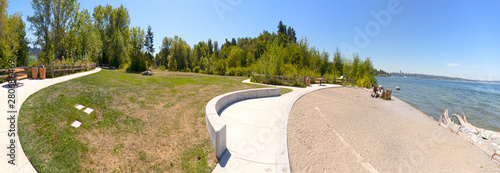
{"x":345,"y":130}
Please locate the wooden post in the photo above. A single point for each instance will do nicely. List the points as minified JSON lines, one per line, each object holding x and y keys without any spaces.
{"x":52,"y":70}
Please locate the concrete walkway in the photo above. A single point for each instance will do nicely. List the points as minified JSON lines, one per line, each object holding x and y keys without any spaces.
{"x":256,"y":132}
{"x":29,"y":87}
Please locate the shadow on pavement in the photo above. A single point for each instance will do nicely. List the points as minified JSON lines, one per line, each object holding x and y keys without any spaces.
{"x":225,"y":158}
{"x":18,"y":85}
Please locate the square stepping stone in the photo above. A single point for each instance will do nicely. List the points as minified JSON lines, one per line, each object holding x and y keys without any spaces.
{"x":79,"y":107}
{"x":76,"y":123}
{"x":88,"y":110}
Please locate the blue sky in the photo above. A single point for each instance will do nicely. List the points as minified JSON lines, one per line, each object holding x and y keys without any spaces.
{"x":440,"y":37}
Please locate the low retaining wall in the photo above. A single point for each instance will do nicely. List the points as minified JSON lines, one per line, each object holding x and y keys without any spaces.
{"x":216,"y":127}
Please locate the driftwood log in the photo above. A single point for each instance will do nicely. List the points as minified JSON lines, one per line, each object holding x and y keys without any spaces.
{"x":476,"y":134}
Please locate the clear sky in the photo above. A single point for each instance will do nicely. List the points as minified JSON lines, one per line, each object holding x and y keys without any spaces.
{"x":440,"y":37}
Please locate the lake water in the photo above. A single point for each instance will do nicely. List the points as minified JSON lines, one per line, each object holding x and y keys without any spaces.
{"x":479,"y":101}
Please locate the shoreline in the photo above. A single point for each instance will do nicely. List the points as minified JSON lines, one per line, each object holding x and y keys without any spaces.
{"x":484,"y":147}
{"x":389,"y":136}
{"x":435,"y":96}
{"x":459,"y":80}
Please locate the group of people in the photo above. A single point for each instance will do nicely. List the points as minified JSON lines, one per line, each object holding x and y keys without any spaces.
{"x":381,"y":92}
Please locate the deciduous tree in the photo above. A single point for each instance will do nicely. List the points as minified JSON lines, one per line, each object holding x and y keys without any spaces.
{"x":138,"y":60}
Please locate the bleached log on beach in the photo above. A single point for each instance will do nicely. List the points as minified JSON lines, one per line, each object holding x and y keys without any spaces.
{"x":445,"y":121}
{"x":475,"y":134}
{"x":463,"y":121}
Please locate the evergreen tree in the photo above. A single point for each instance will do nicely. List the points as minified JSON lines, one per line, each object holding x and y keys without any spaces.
{"x":281,"y":28}
{"x":150,"y":50}
{"x":233,"y":42}
{"x":210,"y":46}
{"x":337,"y":64}
{"x":291,"y":35}
{"x":216,"y":48}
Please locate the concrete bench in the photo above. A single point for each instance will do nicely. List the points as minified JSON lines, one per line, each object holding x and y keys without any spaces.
{"x":216,"y":126}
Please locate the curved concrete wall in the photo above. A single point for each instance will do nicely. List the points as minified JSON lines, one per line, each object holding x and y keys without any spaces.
{"x":216,"y":127}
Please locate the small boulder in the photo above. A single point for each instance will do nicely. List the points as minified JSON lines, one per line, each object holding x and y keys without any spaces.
{"x":149,"y":72}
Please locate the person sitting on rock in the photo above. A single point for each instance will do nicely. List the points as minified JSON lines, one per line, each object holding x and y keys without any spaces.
{"x":374,"y":93}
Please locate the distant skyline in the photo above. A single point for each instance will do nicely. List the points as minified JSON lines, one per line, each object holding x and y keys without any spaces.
{"x":437,"y":37}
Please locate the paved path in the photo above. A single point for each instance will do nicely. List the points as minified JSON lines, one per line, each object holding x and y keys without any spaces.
{"x":256,"y":132}
{"x":30,"y":86}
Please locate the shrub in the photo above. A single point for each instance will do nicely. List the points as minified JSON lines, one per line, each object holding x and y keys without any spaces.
{"x":291,"y":70}
{"x":197,"y":69}
{"x":186,"y":70}
{"x":125,"y":66}
{"x":208,"y":71}
{"x":231,"y":71}
{"x":245,"y":71}
{"x":162,"y":68}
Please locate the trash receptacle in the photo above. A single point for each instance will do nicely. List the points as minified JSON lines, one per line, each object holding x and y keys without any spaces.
{"x":308,"y":81}
{"x":42,"y":72}
{"x":34,"y":72}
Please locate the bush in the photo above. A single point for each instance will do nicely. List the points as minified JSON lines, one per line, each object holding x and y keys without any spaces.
{"x":186,"y":70}
{"x":208,"y":71}
{"x":125,"y":66}
{"x":291,"y":71}
{"x":162,"y":68}
{"x":245,"y":71}
{"x":231,"y":71}
{"x":365,"y":82}
{"x":138,"y":64}
{"x":239,"y":71}
{"x":197,"y":69}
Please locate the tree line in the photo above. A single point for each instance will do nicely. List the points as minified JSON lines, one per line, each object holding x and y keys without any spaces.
{"x":277,"y":53}
{"x":64,"y":32}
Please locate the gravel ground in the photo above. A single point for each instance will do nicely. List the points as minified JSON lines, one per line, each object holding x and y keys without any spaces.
{"x":345,"y":130}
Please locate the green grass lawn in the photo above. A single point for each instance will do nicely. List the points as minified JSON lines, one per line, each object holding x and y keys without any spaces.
{"x":139,"y":124}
